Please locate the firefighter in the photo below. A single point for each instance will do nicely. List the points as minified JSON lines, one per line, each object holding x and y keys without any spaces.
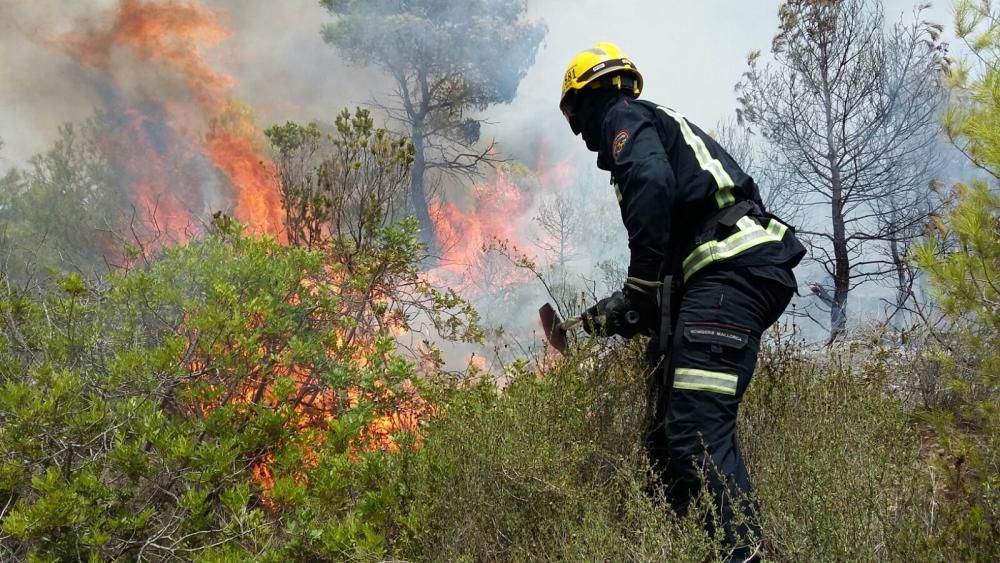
{"x":709,"y":271}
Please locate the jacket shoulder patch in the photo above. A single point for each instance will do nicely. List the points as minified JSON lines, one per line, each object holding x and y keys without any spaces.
{"x":618,"y":145}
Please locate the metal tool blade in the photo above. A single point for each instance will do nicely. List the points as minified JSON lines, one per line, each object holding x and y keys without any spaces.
{"x":555,"y":332}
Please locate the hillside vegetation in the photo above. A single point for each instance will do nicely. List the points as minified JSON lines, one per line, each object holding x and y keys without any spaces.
{"x":236,"y":397}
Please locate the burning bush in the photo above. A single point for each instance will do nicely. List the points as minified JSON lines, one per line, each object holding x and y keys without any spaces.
{"x":203,"y":400}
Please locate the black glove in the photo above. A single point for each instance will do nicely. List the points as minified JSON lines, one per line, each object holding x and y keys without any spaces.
{"x":633,"y":310}
{"x":595,"y":318}
{"x":644,"y":298}
{"x":612,"y":315}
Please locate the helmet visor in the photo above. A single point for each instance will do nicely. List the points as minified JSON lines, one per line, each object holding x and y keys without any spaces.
{"x":569,"y":111}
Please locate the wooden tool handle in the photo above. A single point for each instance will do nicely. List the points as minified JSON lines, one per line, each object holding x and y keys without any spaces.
{"x":570,"y":324}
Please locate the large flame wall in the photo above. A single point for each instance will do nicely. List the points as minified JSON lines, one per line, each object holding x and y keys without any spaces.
{"x":175,"y":119}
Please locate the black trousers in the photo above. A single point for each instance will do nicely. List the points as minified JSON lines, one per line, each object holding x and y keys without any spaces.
{"x":720,"y":316}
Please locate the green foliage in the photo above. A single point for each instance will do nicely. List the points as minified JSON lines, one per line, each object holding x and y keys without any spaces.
{"x":835,"y":459}
{"x":219,"y":404}
{"x":962,"y":260}
{"x":291,"y":137}
{"x":342,"y":194}
{"x":973,"y":121}
{"x":548,"y":468}
{"x":211,"y":408}
{"x":341,"y":187}
{"x":60,"y":211}
{"x":967,"y":425}
{"x":964,"y":276}
{"x":551,"y":467}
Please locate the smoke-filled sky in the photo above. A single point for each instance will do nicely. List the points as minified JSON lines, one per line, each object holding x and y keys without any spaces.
{"x":691,"y":54}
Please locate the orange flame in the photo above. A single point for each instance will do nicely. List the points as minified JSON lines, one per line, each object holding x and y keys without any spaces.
{"x":157,"y":48}
{"x":500,"y":215}
{"x":495,"y":218}
{"x":315,"y":405}
{"x":174,"y":118}
{"x":497,"y":206}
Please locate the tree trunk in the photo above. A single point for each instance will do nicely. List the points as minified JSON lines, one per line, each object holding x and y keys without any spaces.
{"x":841,"y":259}
{"x":418,"y":196}
{"x":902,"y":284}
{"x":841,"y":264}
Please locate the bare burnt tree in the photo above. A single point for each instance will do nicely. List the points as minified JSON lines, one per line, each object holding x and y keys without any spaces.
{"x":757,"y":160}
{"x":559,"y":221}
{"x":903,"y":221}
{"x":851,"y":106}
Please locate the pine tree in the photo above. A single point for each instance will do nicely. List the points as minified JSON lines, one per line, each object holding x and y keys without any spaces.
{"x":965,"y":277}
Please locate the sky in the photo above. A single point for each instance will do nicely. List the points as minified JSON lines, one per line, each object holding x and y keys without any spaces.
{"x":691,"y":54}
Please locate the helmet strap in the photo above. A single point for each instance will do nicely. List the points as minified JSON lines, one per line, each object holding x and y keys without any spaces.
{"x":619,"y":81}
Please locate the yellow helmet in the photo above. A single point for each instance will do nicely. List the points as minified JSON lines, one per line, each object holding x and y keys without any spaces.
{"x":588,"y":66}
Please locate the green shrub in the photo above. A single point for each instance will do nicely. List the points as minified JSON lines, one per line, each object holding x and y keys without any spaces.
{"x":967,"y":425}
{"x":834,"y":456}
{"x":962,"y":261}
{"x":162,"y":416}
{"x":216,"y":405}
{"x":550,"y":467}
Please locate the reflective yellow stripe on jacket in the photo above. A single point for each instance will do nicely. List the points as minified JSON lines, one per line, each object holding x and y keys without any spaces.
{"x":724,"y":194}
{"x":748,"y":235}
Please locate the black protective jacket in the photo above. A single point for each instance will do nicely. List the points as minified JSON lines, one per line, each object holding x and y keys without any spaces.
{"x":672,"y":179}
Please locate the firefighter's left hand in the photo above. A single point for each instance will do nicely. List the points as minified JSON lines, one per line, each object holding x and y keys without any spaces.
{"x":643,"y":298}
{"x":611,"y":316}
{"x":595,"y":319}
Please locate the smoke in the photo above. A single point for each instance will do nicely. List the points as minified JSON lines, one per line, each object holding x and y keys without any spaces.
{"x":282,"y":66}
{"x":273,"y":51}
{"x":691,"y":54}
{"x":40,"y":88}
{"x":271,"y":56}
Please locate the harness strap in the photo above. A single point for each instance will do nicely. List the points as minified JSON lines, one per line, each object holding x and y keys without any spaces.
{"x":668,"y":292}
{"x":729,"y":216}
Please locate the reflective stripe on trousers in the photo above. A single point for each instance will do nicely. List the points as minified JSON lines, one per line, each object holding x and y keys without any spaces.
{"x":692,"y":439}
{"x":704,"y":380}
